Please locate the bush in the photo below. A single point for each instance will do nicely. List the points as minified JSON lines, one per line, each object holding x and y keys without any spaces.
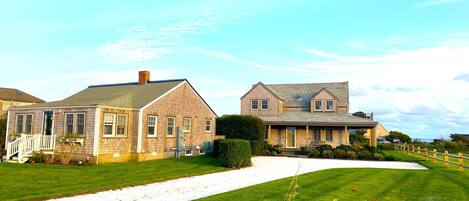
{"x":404,"y":138}
{"x":235,"y":153}
{"x":379,"y":156}
{"x":37,"y":157}
{"x":3,"y":125}
{"x":272,"y":149}
{"x":241,"y":127}
{"x":365,"y":155}
{"x":323,"y":147}
{"x":303,"y":151}
{"x":256,"y":147}
{"x":344,"y":147}
{"x":455,"y":147}
{"x":389,"y":158}
{"x":314,"y":153}
{"x":338,"y":153}
{"x":327,"y":154}
{"x":216,"y":146}
{"x":351,"y":155}
{"x":385,"y":146}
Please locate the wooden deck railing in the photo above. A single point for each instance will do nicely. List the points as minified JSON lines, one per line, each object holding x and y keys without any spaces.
{"x":433,"y":154}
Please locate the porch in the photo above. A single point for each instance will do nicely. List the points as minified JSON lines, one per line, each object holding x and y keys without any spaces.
{"x":20,"y":149}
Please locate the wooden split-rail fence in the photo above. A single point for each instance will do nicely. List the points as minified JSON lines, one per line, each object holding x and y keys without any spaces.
{"x":433,"y":154}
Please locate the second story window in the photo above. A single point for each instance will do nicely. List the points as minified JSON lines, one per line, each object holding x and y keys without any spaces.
{"x":170,"y":126}
{"x":208,"y":125}
{"x":318,"y":105}
{"x":254,"y":105}
{"x":187,"y":124}
{"x":330,"y":105}
{"x":265,"y":104}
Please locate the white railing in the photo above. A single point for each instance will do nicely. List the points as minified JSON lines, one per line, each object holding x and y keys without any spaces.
{"x":26,"y":144}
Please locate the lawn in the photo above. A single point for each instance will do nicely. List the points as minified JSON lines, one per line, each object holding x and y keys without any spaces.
{"x":42,"y":181}
{"x":438,"y":183}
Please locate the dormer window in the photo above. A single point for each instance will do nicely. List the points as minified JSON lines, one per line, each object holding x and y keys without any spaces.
{"x":330,"y":105}
{"x":254,"y":105}
{"x":318,"y":105}
{"x":265,"y":104}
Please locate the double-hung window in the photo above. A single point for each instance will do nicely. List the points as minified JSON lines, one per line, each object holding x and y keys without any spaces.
{"x":208,"y":125}
{"x":121,"y":126}
{"x":109,"y":124}
{"x":75,"y":123}
{"x":24,"y":124}
{"x":330,"y":105}
{"x":329,"y":135}
{"x":115,"y":125}
{"x":170,"y":126}
{"x":265,"y":104}
{"x":318,"y":105}
{"x":254,"y":104}
{"x":152,"y":126}
{"x":187,"y":124}
{"x":316,"y":134}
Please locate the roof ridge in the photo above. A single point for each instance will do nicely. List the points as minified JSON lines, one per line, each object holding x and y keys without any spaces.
{"x":306,"y":83}
{"x":135,"y":83}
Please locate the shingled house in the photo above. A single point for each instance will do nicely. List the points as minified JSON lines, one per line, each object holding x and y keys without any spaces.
{"x":116,"y":122}
{"x":305,"y":114}
{"x":14,"y":98}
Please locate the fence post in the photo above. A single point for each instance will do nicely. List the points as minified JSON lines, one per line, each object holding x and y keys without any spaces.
{"x":434,"y":155}
{"x":446,"y":159}
{"x":426,"y":153}
{"x":461,"y":162}
{"x":418,"y":150}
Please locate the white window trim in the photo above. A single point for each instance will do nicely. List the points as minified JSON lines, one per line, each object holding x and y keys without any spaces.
{"x":202,"y":151}
{"x":23,"y":126}
{"x":256,"y":100}
{"x":205,"y":126}
{"x":322,"y":105}
{"x":75,"y":123}
{"x":174,"y":126}
{"x":331,"y":110}
{"x":113,"y":125}
{"x":126,"y":125}
{"x":262,"y":105}
{"x":155,"y":134}
{"x":184,"y":126}
{"x":186,"y":154}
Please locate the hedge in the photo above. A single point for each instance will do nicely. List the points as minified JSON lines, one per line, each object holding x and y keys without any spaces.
{"x":244,"y":127}
{"x":234,"y":153}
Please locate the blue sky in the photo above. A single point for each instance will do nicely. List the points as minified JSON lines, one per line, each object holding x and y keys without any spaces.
{"x":405,"y":60}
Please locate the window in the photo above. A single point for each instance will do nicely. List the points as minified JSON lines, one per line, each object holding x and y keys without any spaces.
{"x":279,"y":136}
{"x":188,"y":152}
{"x":208,"y":126}
{"x":121,"y":128}
{"x":254,"y":105}
{"x":80,"y":124}
{"x":152,"y":125}
{"x":170,"y":126}
{"x":329,"y":135}
{"x":318,"y":105}
{"x":330,"y":105}
{"x":24,"y":124}
{"x":316,"y":134}
{"x":109,"y":124}
{"x":187,"y":124}
{"x":201,"y":151}
{"x":265,"y":104}
{"x":19,"y":124}
{"x":69,"y":123}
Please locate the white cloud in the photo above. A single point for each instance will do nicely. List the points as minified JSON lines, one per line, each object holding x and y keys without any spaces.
{"x":430,"y":3}
{"x":228,"y":57}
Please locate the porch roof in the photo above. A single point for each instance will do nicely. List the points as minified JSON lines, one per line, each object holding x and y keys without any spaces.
{"x":318,"y":119}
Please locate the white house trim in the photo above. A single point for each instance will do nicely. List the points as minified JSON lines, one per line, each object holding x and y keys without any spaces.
{"x":97,"y":126}
{"x":8,"y":126}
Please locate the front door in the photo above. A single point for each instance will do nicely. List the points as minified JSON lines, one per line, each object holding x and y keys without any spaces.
{"x":291,"y":137}
{"x":47,"y":128}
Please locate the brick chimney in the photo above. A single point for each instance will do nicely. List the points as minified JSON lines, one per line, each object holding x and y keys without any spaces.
{"x":143,"y":77}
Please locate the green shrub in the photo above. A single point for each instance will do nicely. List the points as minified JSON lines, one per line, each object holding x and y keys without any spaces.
{"x":379,"y":156}
{"x":404,"y":138}
{"x":327,"y":154}
{"x":241,"y":127}
{"x":344,"y":147}
{"x":389,"y":158}
{"x":385,"y":146}
{"x":351,"y":155}
{"x":3,"y":125}
{"x":455,"y":147}
{"x":216,"y":147}
{"x":37,"y":157}
{"x":338,"y":153}
{"x":256,"y":147}
{"x":365,"y":155}
{"x":235,"y":153}
{"x":323,"y":147}
{"x":303,"y":151}
{"x":314,"y":153}
{"x":272,"y":149}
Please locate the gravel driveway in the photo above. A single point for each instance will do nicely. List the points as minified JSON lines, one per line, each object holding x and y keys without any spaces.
{"x":264,"y":169}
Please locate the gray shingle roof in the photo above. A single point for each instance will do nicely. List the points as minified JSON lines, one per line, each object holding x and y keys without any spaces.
{"x":312,"y":118}
{"x":299,"y":95}
{"x":9,"y":94}
{"x":127,"y":95}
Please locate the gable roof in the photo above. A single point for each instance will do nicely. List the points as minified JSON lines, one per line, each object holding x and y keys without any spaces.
{"x":317,"y":119}
{"x":265,"y":87}
{"x":326,"y":91}
{"x":9,"y":94}
{"x":299,"y":95}
{"x":124,"y":95}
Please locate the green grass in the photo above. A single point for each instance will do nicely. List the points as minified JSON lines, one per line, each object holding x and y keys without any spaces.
{"x":42,"y":181}
{"x":438,"y":183}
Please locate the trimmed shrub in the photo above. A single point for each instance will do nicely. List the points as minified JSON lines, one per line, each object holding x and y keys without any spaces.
{"x":389,"y":158}
{"x":386,"y":146}
{"x":323,"y":147}
{"x":379,"y":156}
{"x":235,"y":153}
{"x":351,"y":155}
{"x":314,"y":153}
{"x":37,"y":157}
{"x":327,"y":154}
{"x":365,"y":154}
{"x":303,"y":151}
{"x":344,"y":147}
{"x":256,"y":147}
{"x":272,"y":149}
{"x":338,"y":153}
{"x":244,"y":127}
{"x":216,"y":147}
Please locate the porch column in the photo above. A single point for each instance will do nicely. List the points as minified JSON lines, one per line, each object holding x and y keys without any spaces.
{"x":347,"y":136}
{"x":269,"y":132}
{"x":307,"y":132}
{"x":373,"y":139}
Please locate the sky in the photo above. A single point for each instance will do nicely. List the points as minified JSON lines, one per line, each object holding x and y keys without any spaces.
{"x":407,"y":61}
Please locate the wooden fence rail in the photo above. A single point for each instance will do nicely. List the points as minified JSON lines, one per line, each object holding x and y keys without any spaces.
{"x":433,"y":154}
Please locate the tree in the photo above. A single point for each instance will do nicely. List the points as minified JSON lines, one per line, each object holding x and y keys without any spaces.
{"x":398,"y":135}
{"x":3,"y":125}
{"x":457,"y":137}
